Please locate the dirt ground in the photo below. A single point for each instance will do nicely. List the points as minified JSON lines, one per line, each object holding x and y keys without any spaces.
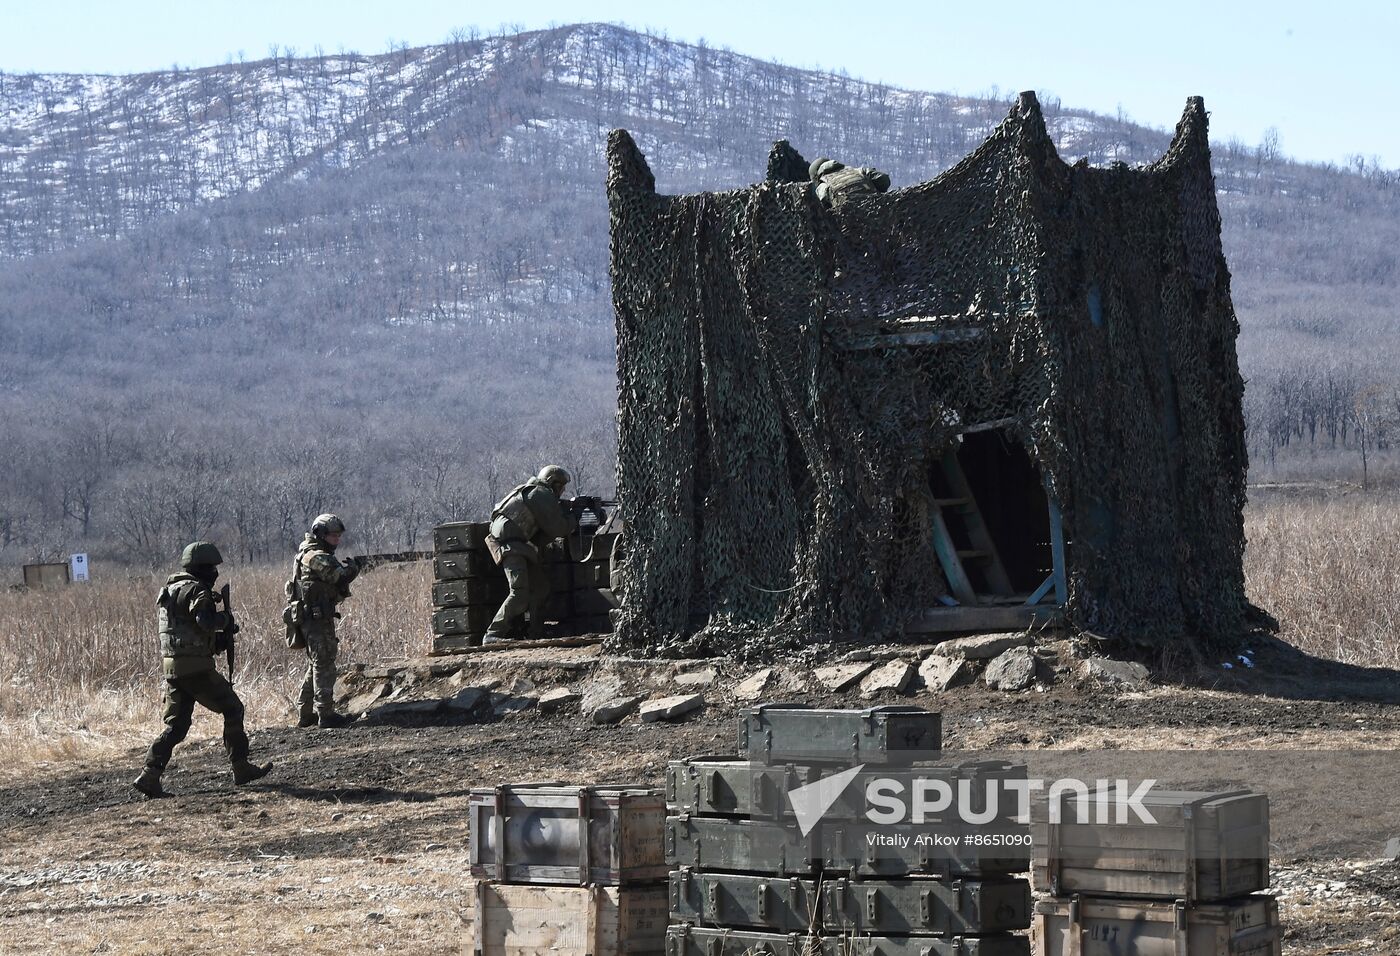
{"x":358,"y":840}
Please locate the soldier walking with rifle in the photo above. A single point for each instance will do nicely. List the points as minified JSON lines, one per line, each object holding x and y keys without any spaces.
{"x":193,"y":629}
{"x":319,"y":585}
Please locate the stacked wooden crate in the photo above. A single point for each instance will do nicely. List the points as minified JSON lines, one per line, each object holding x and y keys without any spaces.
{"x":750,"y":877}
{"x":1187,"y":885}
{"x":468,"y":586}
{"x":567,"y":871}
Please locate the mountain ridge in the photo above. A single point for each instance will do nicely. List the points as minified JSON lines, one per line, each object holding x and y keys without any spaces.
{"x":408,"y":252}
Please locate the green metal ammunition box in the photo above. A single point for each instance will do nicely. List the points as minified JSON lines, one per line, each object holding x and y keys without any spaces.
{"x":733,"y":787}
{"x":460,"y":565}
{"x":784,"y":904}
{"x":925,"y":907}
{"x":461,"y":536}
{"x":463,"y":620}
{"x":685,"y":940}
{"x":470,"y":592}
{"x":890,"y":735}
{"x":950,"y":849}
{"x":753,"y":846}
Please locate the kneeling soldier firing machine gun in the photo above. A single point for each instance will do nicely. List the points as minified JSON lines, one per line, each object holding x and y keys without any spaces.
{"x":523,"y":524}
{"x":192,"y":630}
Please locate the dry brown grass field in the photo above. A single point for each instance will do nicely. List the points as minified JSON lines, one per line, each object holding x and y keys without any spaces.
{"x":81,"y":663}
{"x":357,"y":841}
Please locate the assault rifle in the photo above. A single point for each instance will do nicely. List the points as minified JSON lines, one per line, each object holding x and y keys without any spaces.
{"x":228,"y":632}
{"x":579,"y":505}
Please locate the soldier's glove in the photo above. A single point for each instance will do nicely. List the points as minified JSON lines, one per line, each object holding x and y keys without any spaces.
{"x":221,"y":642}
{"x":351,"y":571}
{"x":231,"y":628}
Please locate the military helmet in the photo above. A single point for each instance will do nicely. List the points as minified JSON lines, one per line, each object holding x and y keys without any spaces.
{"x":327,"y":524}
{"x":554,"y":475}
{"x":200,"y":552}
{"x":821,"y":166}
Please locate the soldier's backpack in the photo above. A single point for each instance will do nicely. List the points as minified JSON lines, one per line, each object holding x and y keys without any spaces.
{"x":295,"y":611}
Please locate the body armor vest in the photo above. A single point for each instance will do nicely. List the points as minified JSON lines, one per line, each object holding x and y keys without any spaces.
{"x":180,"y":633}
{"x":515,"y":509}
{"x":318,"y":595}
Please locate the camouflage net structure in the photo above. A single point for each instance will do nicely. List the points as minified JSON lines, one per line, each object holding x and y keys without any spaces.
{"x":776,"y":480}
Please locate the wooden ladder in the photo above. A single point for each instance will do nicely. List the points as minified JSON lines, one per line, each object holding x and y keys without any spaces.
{"x":961,"y":511}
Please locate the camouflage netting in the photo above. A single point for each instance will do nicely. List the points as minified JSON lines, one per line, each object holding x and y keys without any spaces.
{"x":776,"y":481}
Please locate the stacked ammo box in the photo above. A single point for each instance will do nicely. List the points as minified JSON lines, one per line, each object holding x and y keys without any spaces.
{"x":752,"y":877}
{"x":1187,"y":885}
{"x":567,"y":870}
{"x":468,"y":586}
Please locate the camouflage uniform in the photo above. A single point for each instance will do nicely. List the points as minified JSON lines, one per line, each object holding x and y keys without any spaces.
{"x":837,"y":182}
{"x":324,"y":582}
{"x":192,"y":631}
{"x":523,"y":524}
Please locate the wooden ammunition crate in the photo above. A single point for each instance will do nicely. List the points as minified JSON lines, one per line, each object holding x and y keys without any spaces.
{"x":567,"y":920}
{"x":1088,"y":926}
{"x":1204,"y":847}
{"x":554,"y":833}
{"x":461,"y":536}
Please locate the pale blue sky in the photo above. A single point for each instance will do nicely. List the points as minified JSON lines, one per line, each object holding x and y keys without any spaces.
{"x":1323,"y":73}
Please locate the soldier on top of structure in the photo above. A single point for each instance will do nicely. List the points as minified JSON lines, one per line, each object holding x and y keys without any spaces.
{"x":321,"y":583}
{"x":523,"y":524}
{"x":837,"y":182}
{"x":193,"y":629}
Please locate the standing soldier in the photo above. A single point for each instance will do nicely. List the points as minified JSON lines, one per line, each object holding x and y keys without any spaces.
{"x":322,"y":583}
{"x":192,"y":631}
{"x":523,"y":524}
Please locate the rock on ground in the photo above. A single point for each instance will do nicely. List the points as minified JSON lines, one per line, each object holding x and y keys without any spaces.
{"x":614,"y":709}
{"x":895,"y":676}
{"x":839,"y":677}
{"x":1128,"y":673}
{"x":700,"y":678}
{"x":467,"y":698}
{"x":943,"y":673}
{"x":671,"y":708}
{"x":982,"y":647}
{"x":751,"y":688}
{"x":1012,"y":670}
{"x":558,"y":698}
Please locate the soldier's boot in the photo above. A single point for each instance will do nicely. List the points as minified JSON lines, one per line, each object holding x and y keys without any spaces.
{"x":331,"y":720}
{"x":307,"y":720}
{"x":149,"y":784}
{"x":246,"y":772}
